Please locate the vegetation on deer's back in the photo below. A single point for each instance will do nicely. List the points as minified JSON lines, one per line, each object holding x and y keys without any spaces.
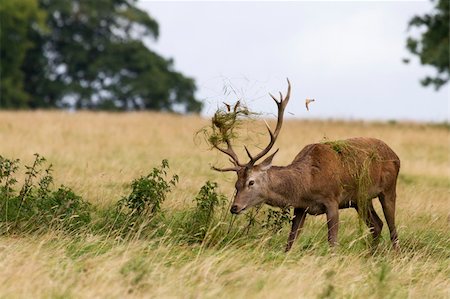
{"x":358,"y":162}
{"x":339,"y":146}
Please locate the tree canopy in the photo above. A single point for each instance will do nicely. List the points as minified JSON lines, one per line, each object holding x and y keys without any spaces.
{"x":87,"y":54}
{"x":17,"y":18}
{"x":432,"y":46}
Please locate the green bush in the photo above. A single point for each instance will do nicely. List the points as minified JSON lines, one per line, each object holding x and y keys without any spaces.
{"x":149,"y":192}
{"x":7,"y":180}
{"x":66,"y":207}
{"x":139,"y":213}
{"x":276,"y":219}
{"x":208,"y":201}
{"x":36,"y":206}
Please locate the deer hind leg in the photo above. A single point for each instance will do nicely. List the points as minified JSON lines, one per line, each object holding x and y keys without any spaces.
{"x":372,"y":220}
{"x":297,"y":224}
{"x":377,"y":223}
{"x":387,"y":200}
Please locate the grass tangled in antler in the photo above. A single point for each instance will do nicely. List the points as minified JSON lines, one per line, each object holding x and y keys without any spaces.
{"x":224,"y":124}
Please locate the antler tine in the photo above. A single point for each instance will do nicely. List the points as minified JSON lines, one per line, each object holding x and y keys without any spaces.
{"x":281,"y":105}
{"x":236,"y":168}
{"x":236,"y":106}
{"x":233,"y":162}
{"x":248,"y":153}
{"x":233,"y":159}
{"x":272,"y":139}
{"x":274,"y":98}
{"x":230,"y":152}
{"x":272,"y":136}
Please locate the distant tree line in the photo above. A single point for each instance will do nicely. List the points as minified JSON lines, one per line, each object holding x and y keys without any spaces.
{"x":86,"y":55}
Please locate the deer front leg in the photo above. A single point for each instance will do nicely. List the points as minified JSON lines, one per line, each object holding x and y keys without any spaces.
{"x":333,"y":222}
{"x":297,"y":224}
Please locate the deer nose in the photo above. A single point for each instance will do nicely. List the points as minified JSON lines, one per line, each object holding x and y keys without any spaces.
{"x":234,"y":209}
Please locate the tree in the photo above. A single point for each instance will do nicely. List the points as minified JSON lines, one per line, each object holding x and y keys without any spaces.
{"x":93,"y":57}
{"x":432,"y":46}
{"x":17,"y":19}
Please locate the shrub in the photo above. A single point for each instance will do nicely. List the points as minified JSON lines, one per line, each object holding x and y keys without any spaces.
{"x":63,"y":206}
{"x":208,"y":200}
{"x":139,"y":213}
{"x":36,"y":206}
{"x":149,"y":192}
{"x":276,"y":219}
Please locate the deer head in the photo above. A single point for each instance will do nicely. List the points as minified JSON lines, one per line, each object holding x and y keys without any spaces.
{"x":252,"y":180}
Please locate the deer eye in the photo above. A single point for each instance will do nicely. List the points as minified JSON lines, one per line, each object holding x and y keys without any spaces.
{"x":251,"y":183}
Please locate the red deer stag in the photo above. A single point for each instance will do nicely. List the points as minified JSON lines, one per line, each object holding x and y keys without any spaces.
{"x":322,"y":178}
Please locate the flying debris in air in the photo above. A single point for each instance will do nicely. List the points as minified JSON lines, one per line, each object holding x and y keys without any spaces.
{"x":307,"y":102}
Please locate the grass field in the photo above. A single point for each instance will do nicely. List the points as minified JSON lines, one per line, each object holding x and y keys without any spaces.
{"x":98,"y":154}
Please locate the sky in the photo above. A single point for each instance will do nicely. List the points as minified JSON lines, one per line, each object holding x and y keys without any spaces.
{"x":345,"y":55}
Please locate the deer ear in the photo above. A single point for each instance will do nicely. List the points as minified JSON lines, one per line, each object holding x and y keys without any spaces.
{"x":267,"y":163}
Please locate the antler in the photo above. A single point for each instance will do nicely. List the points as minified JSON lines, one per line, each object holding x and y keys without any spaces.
{"x":229,"y":149}
{"x":281,"y":104}
{"x":230,"y":152}
{"x":236,"y":168}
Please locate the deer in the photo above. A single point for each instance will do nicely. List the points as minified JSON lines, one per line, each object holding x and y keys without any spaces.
{"x":322,"y":179}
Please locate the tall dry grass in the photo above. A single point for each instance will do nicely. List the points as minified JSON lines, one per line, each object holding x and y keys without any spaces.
{"x":98,"y":154}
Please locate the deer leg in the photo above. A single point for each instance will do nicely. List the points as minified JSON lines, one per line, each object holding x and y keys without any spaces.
{"x":387,"y":200}
{"x":377,"y":224}
{"x":297,"y":224}
{"x":372,"y":221}
{"x":333,"y":222}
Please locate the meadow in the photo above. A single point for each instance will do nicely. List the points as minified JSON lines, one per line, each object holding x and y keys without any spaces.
{"x":99,"y":154}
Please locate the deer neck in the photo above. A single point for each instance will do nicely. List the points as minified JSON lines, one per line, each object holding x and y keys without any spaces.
{"x":284,"y":183}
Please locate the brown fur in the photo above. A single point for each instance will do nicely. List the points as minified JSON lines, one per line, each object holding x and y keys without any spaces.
{"x":322,"y":179}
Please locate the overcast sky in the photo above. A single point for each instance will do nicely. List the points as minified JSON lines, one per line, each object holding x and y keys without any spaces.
{"x":346,"y":55}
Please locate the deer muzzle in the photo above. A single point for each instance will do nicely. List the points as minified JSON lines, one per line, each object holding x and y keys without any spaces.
{"x":235,"y":209}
